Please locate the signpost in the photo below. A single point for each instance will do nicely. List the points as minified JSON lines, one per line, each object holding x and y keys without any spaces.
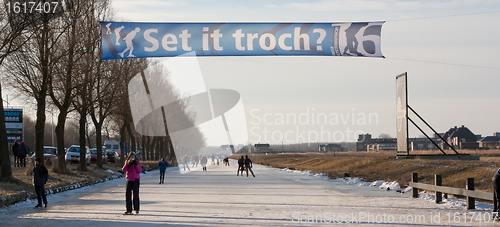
{"x":14,"y":124}
{"x":402,"y":114}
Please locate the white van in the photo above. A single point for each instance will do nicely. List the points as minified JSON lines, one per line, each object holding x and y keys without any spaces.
{"x":113,"y":146}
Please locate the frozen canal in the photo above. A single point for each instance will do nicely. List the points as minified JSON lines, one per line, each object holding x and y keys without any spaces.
{"x":219,"y":198}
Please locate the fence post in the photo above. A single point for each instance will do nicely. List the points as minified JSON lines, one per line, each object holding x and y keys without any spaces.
{"x":414,"y":179}
{"x":470,"y":200}
{"x":438,"y":182}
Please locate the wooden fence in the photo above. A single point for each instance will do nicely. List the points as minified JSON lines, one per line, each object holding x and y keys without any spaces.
{"x":439,"y":189}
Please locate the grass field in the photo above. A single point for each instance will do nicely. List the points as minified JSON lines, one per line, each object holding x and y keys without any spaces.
{"x":372,"y":166}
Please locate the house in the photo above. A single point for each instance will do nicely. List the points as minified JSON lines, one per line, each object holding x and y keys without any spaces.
{"x":491,"y":142}
{"x":262,"y":148}
{"x":332,"y":147}
{"x":460,"y":138}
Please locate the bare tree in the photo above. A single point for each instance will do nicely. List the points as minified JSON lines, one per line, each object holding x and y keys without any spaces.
{"x":64,"y":83}
{"x":30,"y":68}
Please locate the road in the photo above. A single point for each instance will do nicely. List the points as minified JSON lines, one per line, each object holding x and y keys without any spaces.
{"x":219,"y":198}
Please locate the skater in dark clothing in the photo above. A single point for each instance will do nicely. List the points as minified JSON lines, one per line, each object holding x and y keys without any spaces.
{"x":248,"y":165}
{"x":22,"y":152}
{"x":496,"y":191}
{"x":40,"y":178}
{"x":163,"y":167}
{"x":241,"y":166}
{"x":15,"y":153}
{"x":226,"y":161}
{"x":204,"y":161}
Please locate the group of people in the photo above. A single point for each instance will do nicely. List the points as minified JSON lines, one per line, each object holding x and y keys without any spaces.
{"x":244,"y":164}
{"x":20,"y":152}
{"x":132,"y":169}
{"x":201,"y":159}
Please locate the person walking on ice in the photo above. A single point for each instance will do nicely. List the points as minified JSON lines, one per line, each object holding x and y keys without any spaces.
{"x":248,"y":165}
{"x":163,"y":167}
{"x":128,"y":40}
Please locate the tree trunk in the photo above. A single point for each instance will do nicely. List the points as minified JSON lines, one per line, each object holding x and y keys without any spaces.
{"x":132,"y":139}
{"x":123,"y":137}
{"x":83,"y":151}
{"x":143,"y":148}
{"x":146,"y":148}
{"x":40,"y":125}
{"x":171,"y":150}
{"x":40,"y":97}
{"x":5,"y":169}
{"x":98,"y":141}
{"x":152,"y":148}
{"x":162,"y":151}
{"x":61,"y":122}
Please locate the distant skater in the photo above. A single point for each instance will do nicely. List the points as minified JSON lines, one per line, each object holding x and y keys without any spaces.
{"x":186,"y":162}
{"x":204,"y":161}
{"x":226,"y":161}
{"x":241,"y":166}
{"x":248,"y":165}
{"x":163,"y":167}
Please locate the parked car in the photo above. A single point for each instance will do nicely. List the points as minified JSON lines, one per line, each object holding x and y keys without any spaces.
{"x":93,"y":156}
{"x":138,"y":154}
{"x":49,"y":155}
{"x":111,"y":156}
{"x":73,"y":154}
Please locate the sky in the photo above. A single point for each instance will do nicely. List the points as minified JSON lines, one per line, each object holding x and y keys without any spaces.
{"x":448,"y":48}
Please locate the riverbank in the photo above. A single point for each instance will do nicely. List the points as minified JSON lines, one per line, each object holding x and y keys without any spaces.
{"x":383,"y":166}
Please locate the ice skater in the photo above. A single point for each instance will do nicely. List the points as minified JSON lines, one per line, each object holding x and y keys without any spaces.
{"x":204,"y":161}
{"x":226,"y":161}
{"x":109,"y":29}
{"x":117,"y":34}
{"x":241,"y":166}
{"x":186,"y":162}
{"x":128,"y":40}
{"x":163,"y":167}
{"x":248,"y":165}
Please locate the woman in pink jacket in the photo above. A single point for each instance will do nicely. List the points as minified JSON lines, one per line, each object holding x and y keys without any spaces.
{"x":133,"y":169}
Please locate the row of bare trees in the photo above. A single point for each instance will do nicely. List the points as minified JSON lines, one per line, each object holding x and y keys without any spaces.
{"x":53,"y":59}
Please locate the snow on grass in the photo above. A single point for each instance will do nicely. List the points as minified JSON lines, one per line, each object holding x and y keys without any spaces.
{"x":451,"y":202}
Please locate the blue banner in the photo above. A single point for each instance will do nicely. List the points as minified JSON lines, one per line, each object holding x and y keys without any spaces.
{"x":143,"y":40}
